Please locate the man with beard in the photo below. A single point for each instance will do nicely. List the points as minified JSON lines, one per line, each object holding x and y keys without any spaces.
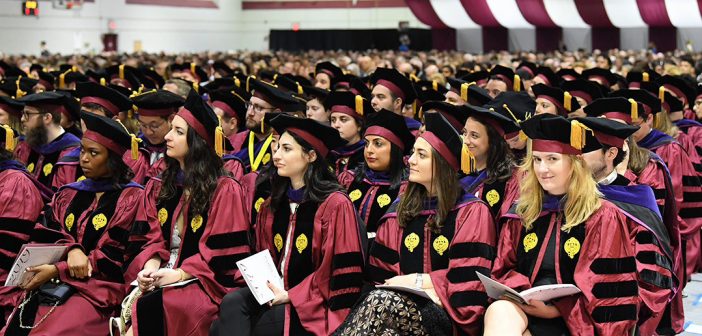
{"x":265,"y":98}
{"x":46,"y":141}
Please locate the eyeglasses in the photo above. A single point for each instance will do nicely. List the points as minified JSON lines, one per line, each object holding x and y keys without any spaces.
{"x":26,"y":115}
{"x":152,"y":127}
{"x":257,"y":108}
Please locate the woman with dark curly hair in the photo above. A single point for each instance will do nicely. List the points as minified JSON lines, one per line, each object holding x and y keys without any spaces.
{"x":94,"y":216}
{"x":191,"y":229}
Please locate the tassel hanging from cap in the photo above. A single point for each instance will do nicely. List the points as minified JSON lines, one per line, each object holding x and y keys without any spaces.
{"x":414,"y":77}
{"x":9,"y":138}
{"x":661,"y":94}
{"x":634,"y":109}
{"x":420,"y":113}
{"x":566,"y":100}
{"x":19,"y":94}
{"x":517,"y":83}
{"x":644,"y":77}
{"x":196,"y":87}
{"x":219,"y":138}
{"x":134,"y":145}
{"x":121,"y":71}
{"x":193,"y":67}
{"x":359,"y":105}
{"x":103,"y":82}
{"x":263,"y":124}
{"x":300,"y":90}
{"x":467,"y":160}
{"x":435,"y":85}
{"x":248,"y":86}
{"x":237,"y":82}
{"x":464,"y":91}
{"x":577,"y":134}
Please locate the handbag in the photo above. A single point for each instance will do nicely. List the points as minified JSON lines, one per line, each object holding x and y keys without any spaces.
{"x":53,"y":293}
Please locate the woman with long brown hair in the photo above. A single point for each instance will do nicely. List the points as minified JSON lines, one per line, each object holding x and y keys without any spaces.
{"x":564,"y":233}
{"x":433,"y":239}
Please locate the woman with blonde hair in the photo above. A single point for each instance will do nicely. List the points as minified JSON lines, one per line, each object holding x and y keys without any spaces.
{"x":564,"y":233}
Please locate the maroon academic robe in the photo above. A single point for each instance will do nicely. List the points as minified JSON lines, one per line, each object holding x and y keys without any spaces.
{"x":20,"y":206}
{"x":465,"y":244}
{"x":238,"y":139}
{"x":41,"y":162}
{"x":598,"y":256}
{"x":656,"y":176}
{"x":101,"y":229}
{"x":371,"y":197}
{"x":323,"y":271}
{"x":211,"y":245}
{"x":235,"y":167}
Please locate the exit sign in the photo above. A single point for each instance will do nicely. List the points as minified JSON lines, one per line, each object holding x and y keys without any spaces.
{"x":30,"y":8}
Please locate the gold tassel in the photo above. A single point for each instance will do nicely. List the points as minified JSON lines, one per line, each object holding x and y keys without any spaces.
{"x":74,"y":68}
{"x":566,"y":100}
{"x":510,"y":113}
{"x":464,"y":91}
{"x":359,"y":105}
{"x":661,"y":94}
{"x":517,"y":83}
{"x":62,"y":81}
{"x":219,"y":138}
{"x":275,"y":78}
{"x":248,"y":87}
{"x":121,"y":71}
{"x":196,"y":87}
{"x":134,"y":146}
{"x":529,"y":145}
{"x":9,"y":138}
{"x":634,"y":109}
{"x":467,"y":160}
{"x":19,"y":94}
{"x":421,"y":111}
{"x":522,"y":136}
{"x":414,"y":77}
{"x":644,"y":76}
{"x":577,"y":134}
{"x":237,"y":82}
{"x":263,"y":124}
{"x":435,"y":85}
{"x":103,"y":82}
{"x":300,"y":91}
{"x":193,"y":66}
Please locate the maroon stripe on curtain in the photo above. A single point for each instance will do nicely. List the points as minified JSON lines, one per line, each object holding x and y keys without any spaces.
{"x":443,"y":39}
{"x":593,"y":13}
{"x":495,"y":39}
{"x":480,"y":13}
{"x":665,"y":38}
{"x":654,"y":13}
{"x":425,"y":13}
{"x":547,"y":39}
{"x":534,"y":12}
{"x":605,"y":38}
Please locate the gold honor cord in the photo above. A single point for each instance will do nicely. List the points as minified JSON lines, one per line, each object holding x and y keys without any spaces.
{"x":255,"y":160}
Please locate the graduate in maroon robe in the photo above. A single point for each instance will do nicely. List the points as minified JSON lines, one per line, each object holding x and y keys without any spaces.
{"x":95,"y":215}
{"x":311,"y":230}
{"x":192,"y":228}
{"x":106,"y":102}
{"x":230,"y":105}
{"x":18,"y":188}
{"x":46,"y":142}
{"x":654,"y":256}
{"x":564,"y":233}
{"x":434,"y":238}
{"x":347,"y":113}
{"x":377,"y":182}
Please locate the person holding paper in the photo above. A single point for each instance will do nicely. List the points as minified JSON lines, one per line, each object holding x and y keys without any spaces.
{"x":192,"y":225}
{"x":432,"y":240}
{"x":20,"y":206}
{"x":311,"y":230}
{"x":95,"y":215}
{"x":375,"y":184}
{"x":564,"y":233}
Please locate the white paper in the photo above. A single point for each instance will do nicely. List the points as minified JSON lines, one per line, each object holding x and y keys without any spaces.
{"x":496,"y":290}
{"x":411,"y":290}
{"x":31,"y":255}
{"x":257,"y":270}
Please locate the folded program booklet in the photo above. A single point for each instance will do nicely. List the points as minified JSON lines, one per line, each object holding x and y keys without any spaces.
{"x":257,"y":270}
{"x":31,"y":255}
{"x":544,"y":293}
